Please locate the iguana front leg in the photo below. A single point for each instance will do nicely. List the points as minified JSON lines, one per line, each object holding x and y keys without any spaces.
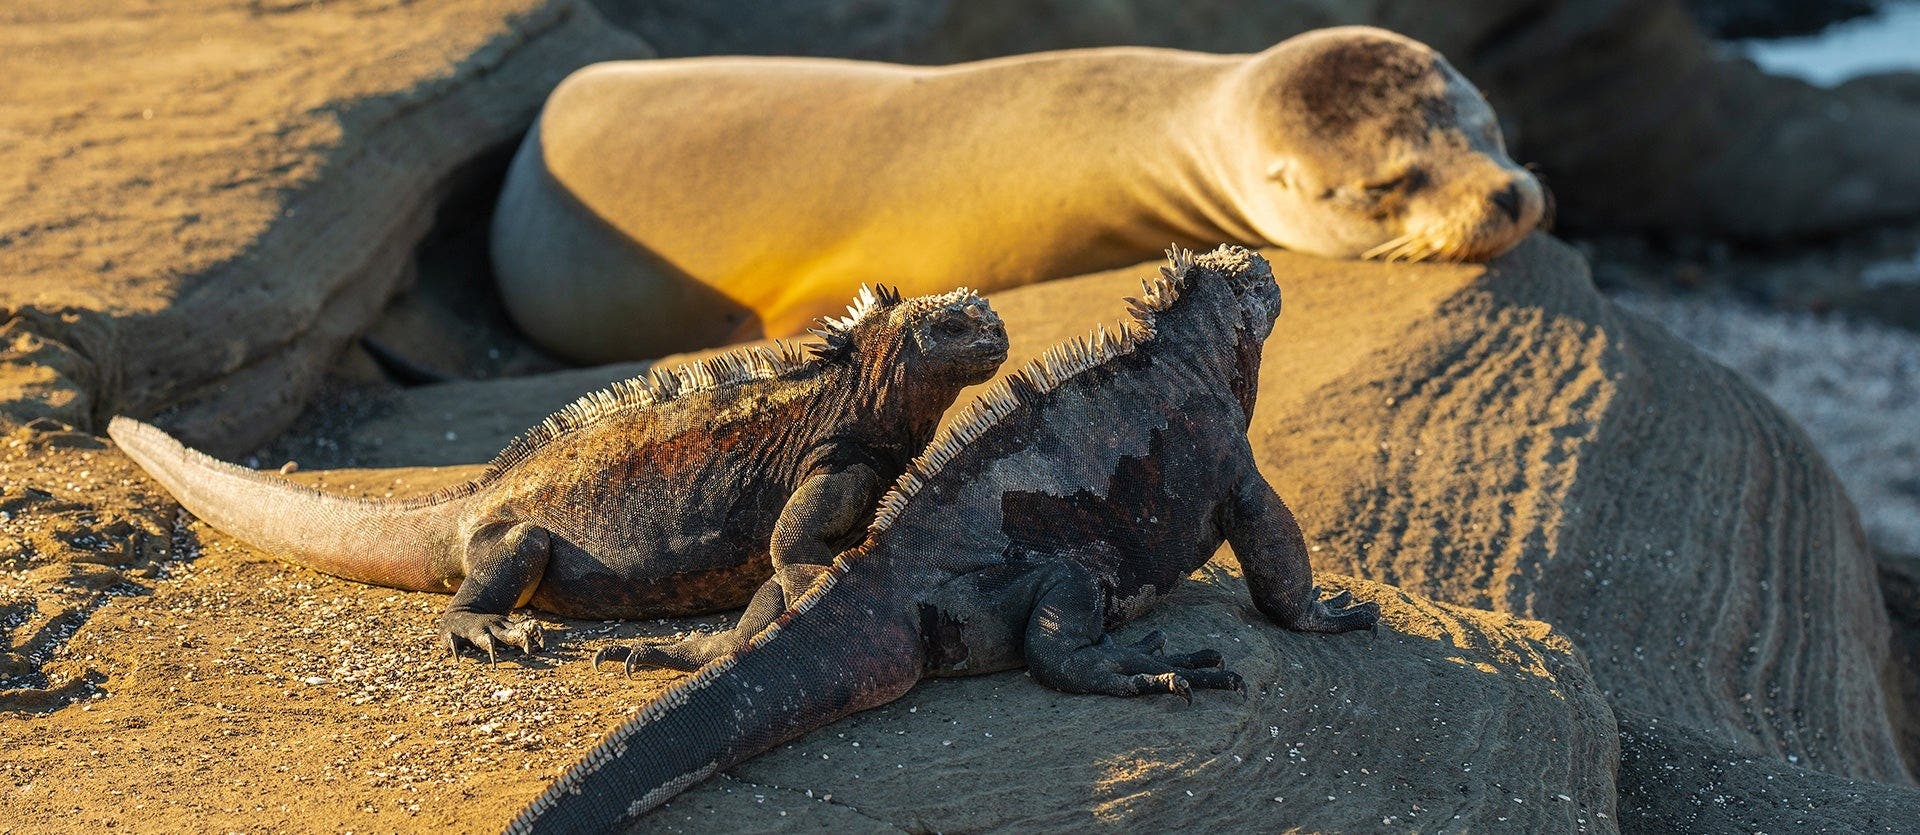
{"x":825,"y":508}
{"x":689,"y":654}
{"x":1273,"y":556}
{"x":504,"y":562}
{"x":1068,"y":649}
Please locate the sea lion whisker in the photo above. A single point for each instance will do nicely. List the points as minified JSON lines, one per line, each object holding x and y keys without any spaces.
{"x":1385,"y":250}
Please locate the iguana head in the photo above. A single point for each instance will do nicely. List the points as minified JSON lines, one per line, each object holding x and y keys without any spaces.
{"x":1220,"y":306}
{"x":953,"y":337}
{"x":1231,"y":283}
{"x":1251,"y":278}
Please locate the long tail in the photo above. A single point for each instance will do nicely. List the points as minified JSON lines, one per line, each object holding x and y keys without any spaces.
{"x":392,"y":543}
{"x":826,"y":658}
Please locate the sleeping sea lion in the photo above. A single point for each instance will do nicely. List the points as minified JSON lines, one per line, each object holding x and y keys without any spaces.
{"x":659,"y":206}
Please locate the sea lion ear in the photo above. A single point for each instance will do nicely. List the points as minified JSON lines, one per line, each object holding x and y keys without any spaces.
{"x":1280,"y":171}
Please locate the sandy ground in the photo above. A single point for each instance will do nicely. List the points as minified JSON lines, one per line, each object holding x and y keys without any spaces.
{"x":248,"y":695}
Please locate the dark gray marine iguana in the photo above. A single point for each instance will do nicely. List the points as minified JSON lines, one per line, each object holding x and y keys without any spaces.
{"x":1058,"y":506}
{"x":664,"y":495}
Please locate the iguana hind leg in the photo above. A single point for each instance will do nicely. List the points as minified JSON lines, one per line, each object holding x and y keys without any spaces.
{"x":1067,"y":649}
{"x":504,"y":563}
{"x":689,"y":654}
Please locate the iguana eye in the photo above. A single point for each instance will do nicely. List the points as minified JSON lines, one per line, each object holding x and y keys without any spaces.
{"x":950,"y":327}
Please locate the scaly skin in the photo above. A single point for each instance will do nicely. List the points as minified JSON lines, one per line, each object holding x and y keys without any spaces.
{"x":1070,"y":498}
{"x":662,"y":496}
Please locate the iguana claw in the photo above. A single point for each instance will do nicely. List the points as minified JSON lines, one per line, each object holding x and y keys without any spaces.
{"x":486,"y":632}
{"x":1179,"y":687}
{"x":610,"y":653}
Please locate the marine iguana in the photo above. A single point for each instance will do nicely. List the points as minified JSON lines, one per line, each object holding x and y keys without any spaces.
{"x":1058,"y":506}
{"x":667,"y":494}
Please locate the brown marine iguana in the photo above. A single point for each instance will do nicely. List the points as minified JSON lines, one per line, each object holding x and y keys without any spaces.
{"x":661,"y":495}
{"x":1060,"y":505}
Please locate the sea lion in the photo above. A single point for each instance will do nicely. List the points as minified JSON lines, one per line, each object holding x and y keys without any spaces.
{"x":665,"y":205}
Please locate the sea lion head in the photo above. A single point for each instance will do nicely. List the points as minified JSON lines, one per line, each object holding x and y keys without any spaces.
{"x":1368,"y":144}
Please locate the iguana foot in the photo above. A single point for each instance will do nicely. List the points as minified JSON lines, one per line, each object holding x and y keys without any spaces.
{"x":1180,"y":682}
{"x":1338,"y":613}
{"x":1155,"y":644}
{"x":612,"y":653}
{"x":1195,"y":660}
{"x":486,"y":632}
{"x":641,"y":655}
{"x":1173,"y":683}
{"x":685,"y":655}
{"x":1130,"y":670}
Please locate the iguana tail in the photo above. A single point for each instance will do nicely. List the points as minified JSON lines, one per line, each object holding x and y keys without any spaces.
{"x":833,"y":653}
{"x":393,"y":543}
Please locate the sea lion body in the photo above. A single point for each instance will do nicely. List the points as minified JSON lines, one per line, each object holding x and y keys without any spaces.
{"x":664,"y":205}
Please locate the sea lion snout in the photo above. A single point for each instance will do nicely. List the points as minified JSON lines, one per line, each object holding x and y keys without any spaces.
{"x":1508,"y":200}
{"x":1518,"y":206}
{"x":1520,"y":203}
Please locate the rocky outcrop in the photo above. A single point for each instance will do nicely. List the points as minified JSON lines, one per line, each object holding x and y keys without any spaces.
{"x":204,"y":233}
{"x":882,"y":29}
{"x":1900,"y":582}
{"x":1451,"y":719}
{"x":1854,"y":386}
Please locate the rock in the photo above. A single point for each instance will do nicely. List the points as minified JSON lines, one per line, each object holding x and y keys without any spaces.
{"x":461,"y":422}
{"x":845,"y":28}
{"x":203,"y":234}
{"x":1900,"y":582}
{"x":1450,"y":718}
{"x":1503,"y":437}
{"x":1773,"y":18}
{"x":1674,"y":778}
{"x":1854,"y":386}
